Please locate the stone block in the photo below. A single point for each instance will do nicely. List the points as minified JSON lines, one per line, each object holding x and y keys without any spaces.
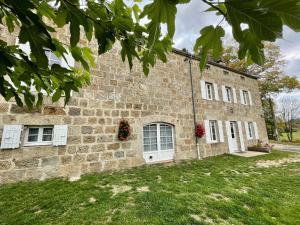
{"x":92,"y":120}
{"x":110,"y":165}
{"x":124,"y":113}
{"x":5,"y":154}
{"x":20,"y":110}
{"x":83,"y":149}
{"x":95,"y":167}
{"x":108,"y":104}
{"x":105,"y":138}
{"x":5,"y":165}
{"x":92,"y":157}
{"x":71,"y":149}
{"x":106,"y":156}
{"x":101,"y":121}
{"x":78,"y":158}
{"x":26,"y":163}
{"x":126,"y":145}
{"x":99,"y":112}
{"x":98,"y":130}
{"x":89,"y":139}
{"x":86,"y":130}
{"x":83,"y":103}
{"x":4,"y":107}
{"x":88,"y":112}
{"x":110,"y":130}
{"x":79,"y":121}
{"x":98,"y":148}
{"x":12,"y":176}
{"x":51,"y":161}
{"x":119,"y":154}
{"x":66,"y":159}
{"x":113,"y":146}
{"x":74,"y":139}
{"x":74,"y":111}
{"x":50,"y":110}
{"x":137,"y":106}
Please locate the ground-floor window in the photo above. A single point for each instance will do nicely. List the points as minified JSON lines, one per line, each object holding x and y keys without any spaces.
{"x":213,"y":130}
{"x":38,"y":135}
{"x":158,"y":136}
{"x":251,"y":130}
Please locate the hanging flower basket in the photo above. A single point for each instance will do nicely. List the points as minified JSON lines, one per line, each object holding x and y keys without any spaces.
{"x":200,"y":131}
{"x":124,"y":130}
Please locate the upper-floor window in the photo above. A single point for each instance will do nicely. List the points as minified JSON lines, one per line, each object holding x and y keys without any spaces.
{"x":228,"y":94}
{"x":38,"y":135}
{"x":245,"y":97}
{"x":209,"y":90}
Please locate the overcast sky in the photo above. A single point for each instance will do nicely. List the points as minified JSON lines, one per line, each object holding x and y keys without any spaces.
{"x":191,"y":18}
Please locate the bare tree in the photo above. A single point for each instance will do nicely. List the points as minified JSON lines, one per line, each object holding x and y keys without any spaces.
{"x":289,"y":111}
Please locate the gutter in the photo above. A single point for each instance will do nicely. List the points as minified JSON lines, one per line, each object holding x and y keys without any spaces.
{"x":192,"y":56}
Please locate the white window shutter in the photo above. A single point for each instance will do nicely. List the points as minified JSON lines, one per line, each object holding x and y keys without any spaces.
{"x":203,"y":89}
{"x":250,"y":98}
{"x":247,"y":130}
{"x":11,"y":136}
{"x":60,"y":135}
{"x":207,"y":131}
{"x":239,"y":123}
{"x":216,"y":91}
{"x":242,"y":97}
{"x":221,"y":133}
{"x":70,"y":61}
{"x":224,"y":93}
{"x":234,"y":95}
{"x":256,"y":130}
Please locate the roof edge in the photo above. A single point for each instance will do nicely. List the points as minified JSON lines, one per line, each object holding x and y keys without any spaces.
{"x":192,"y":56}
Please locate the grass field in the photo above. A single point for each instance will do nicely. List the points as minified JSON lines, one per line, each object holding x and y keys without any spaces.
{"x":220,"y":190}
{"x":296,"y":137}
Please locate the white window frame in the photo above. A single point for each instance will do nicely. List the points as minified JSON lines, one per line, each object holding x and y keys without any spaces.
{"x":158,"y":142}
{"x":245,"y":97}
{"x":213,"y":128}
{"x":209,"y":90}
{"x":251,"y":130}
{"x":40,"y":136}
{"x":228,"y":94}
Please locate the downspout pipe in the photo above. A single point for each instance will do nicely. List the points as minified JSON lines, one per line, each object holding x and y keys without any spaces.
{"x":193,"y":102}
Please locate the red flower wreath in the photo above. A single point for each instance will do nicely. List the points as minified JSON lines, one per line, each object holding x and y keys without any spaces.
{"x":200,"y":131}
{"x":124,"y":130}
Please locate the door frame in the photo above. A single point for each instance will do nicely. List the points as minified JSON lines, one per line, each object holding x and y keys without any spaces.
{"x":229,"y":137}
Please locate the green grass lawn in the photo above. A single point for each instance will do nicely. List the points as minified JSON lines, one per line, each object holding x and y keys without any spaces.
{"x":220,"y":190}
{"x":296,"y":137}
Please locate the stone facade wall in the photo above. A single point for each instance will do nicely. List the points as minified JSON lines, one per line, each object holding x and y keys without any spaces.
{"x":93,"y":115}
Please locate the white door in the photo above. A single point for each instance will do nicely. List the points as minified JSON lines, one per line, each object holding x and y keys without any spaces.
{"x":232,"y":136}
{"x":158,"y":142}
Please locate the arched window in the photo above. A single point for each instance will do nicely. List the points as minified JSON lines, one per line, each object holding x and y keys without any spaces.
{"x":158,"y":141}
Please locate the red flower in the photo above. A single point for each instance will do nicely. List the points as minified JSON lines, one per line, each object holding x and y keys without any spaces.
{"x":200,"y":131}
{"x":124,"y":130}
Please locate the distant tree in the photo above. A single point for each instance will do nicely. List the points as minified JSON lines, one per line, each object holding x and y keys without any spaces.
{"x":289,"y":110}
{"x":272,"y":79}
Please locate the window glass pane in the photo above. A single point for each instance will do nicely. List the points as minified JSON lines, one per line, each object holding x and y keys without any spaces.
{"x":170,"y":145}
{"x":47,"y":138}
{"x":47,"y":130}
{"x":150,"y":137}
{"x":33,"y":131}
{"x":32,"y":138}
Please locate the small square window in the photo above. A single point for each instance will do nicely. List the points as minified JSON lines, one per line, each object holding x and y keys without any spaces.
{"x":245,"y":97}
{"x":225,"y":72}
{"x":38,"y":135}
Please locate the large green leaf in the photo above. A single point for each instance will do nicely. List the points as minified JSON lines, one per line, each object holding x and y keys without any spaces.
{"x":209,"y":42}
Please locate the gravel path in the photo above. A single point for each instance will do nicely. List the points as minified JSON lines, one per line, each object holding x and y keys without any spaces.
{"x":289,"y":148}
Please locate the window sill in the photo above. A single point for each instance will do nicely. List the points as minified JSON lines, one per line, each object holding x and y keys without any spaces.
{"x":37,"y":144}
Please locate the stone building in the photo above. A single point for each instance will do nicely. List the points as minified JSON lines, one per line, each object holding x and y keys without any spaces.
{"x":82,"y":137}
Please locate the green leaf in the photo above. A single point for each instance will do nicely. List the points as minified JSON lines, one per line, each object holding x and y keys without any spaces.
{"x":251,"y":47}
{"x":56,"y":96}
{"x":288,"y":10}
{"x":210,"y":40}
